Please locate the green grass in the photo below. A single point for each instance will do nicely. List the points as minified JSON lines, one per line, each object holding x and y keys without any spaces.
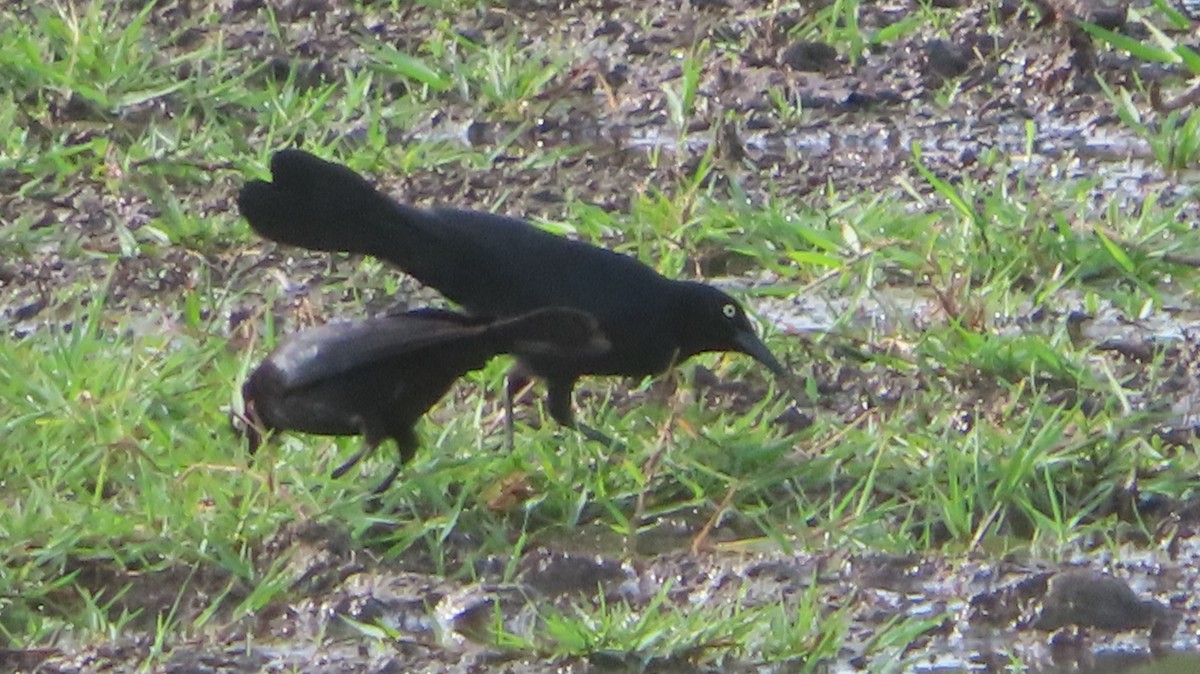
{"x":118,"y":454}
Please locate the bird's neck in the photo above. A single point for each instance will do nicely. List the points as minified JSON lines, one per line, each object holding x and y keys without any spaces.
{"x":686,"y":323}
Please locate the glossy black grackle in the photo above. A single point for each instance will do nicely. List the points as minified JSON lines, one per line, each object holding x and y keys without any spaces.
{"x":497,"y":266}
{"x":377,"y":377}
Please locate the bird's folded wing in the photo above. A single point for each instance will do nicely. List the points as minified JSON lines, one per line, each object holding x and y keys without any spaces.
{"x":330,"y":350}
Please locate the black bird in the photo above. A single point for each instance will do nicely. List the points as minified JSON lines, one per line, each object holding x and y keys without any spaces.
{"x":377,"y":377}
{"x":496,"y":266}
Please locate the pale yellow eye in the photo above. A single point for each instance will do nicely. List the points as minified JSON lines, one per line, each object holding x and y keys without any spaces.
{"x":729,"y":310}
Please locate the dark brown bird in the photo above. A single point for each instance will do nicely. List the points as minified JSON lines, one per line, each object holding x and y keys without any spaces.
{"x":496,"y":266}
{"x":376,"y":377}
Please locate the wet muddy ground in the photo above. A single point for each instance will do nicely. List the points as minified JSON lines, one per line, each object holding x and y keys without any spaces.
{"x":781,"y":114}
{"x":978,"y":614}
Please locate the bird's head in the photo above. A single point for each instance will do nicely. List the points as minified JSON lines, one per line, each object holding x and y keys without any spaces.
{"x":245,"y":420}
{"x":710,"y":320}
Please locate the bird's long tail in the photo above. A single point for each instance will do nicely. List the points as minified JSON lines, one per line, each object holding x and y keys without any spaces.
{"x":322,"y":205}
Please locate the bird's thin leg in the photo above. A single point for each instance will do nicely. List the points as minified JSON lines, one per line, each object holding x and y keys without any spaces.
{"x":367,"y":448}
{"x":596,"y":435}
{"x":509,"y":442}
{"x":558,"y":398}
{"x":406,"y":446}
{"x":516,"y":383}
{"x":371,"y":440}
{"x":387,"y":481}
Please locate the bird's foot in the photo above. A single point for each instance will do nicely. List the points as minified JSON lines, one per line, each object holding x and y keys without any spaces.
{"x":387,"y":481}
{"x":351,"y":462}
{"x":599,"y":436}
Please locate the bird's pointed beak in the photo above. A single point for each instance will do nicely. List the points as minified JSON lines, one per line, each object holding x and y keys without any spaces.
{"x":750,"y":344}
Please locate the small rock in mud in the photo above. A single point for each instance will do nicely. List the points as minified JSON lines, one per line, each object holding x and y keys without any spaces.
{"x":1002,"y":606}
{"x":637,"y":46}
{"x":202,"y":660}
{"x":399,"y":601}
{"x":610,"y":27}
{"x":472,"y":35}
{"x":319,"y":556}
{"x":28,"y":311}
{"x":895,"y":573}
{"x":303,"y":9}
{"x":305,"y":73}
{"x":945,"y":59}
{"x":617,"y":76}
{"x":493,"y":20}
{"x":469,"y":614}
{"x":793,"y":421}
{"x":810,"y":57}
{"x":1101,"y":601}
{"x":553,"y":573}
{"x":1109,"y":18}
{"x":863,"y":99}
{"x":21,"y":659}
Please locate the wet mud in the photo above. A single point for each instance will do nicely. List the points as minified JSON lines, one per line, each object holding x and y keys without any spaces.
{"x":349,"y":613}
